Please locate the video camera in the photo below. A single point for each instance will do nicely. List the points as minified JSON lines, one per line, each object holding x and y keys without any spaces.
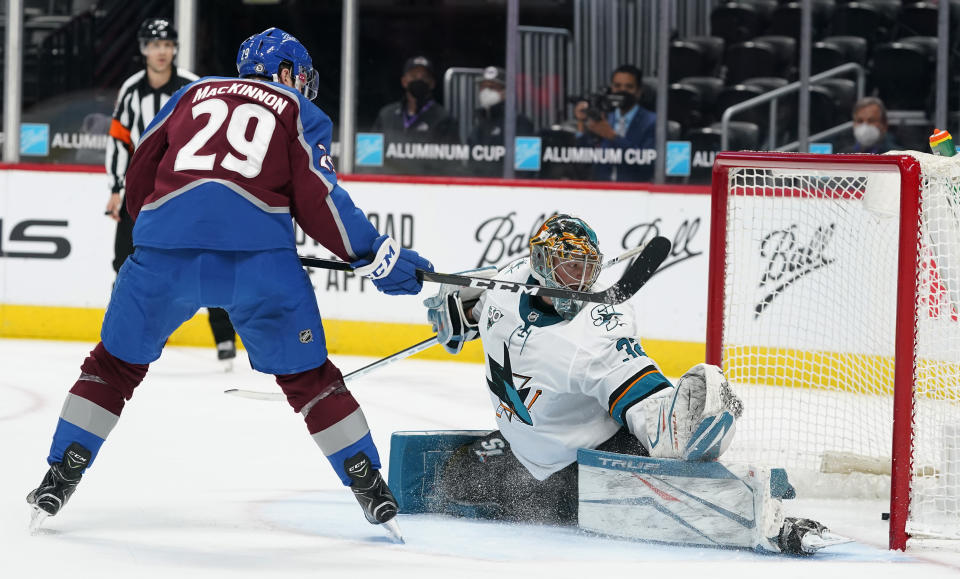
{"x":598,"y":103}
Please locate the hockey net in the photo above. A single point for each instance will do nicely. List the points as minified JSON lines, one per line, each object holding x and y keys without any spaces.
{"x":834,"y":310}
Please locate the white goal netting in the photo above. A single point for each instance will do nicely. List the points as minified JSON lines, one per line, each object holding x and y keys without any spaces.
{"x":810,"y":327}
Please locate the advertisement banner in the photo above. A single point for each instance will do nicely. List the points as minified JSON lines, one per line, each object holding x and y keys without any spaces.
{"x":56,"y":245}
{"x":461,"y":227}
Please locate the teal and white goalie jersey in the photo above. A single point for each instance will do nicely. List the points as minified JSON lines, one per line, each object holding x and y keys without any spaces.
{"x":560,"y":385}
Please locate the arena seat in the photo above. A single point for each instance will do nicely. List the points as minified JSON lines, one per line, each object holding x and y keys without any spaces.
{"x":710,"y":88}
{"x":736,"y":22}
{"x":712,"y":47}
{"x":903,"y":74}
{"x":686,"y":59}
{"x":854,"y":47}
{"x":684,"y":104}
{"x":751,"y":59}
{"x":868,"y":21}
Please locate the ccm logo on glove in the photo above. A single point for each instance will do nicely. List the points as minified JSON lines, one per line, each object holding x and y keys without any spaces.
{"x":386,"y":265}
{"x":393,"y":269}
{"x":383,"y":263}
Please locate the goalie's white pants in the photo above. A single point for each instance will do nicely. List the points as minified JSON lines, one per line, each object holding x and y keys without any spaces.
{"x":681,"y":502}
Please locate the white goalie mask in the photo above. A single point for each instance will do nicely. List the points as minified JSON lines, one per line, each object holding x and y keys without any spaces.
{"x":564,"y":253}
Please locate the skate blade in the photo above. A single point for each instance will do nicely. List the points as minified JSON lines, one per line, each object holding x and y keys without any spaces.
{"x":227,"y":365}
{"x":812,"y":542}
{"x":393,"y":529}
{"x":36,"y":519}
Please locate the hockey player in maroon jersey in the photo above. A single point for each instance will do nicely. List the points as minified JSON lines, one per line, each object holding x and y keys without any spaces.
{"x":213,"y":185}
{"x":140,"y":99}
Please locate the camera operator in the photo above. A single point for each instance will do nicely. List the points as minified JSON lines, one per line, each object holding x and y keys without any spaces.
{"x":616,"y":120}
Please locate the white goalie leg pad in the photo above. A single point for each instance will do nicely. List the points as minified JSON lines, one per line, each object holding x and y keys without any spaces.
{"x":680,"y":502}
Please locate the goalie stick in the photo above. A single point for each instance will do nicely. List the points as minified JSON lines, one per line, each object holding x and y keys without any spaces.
{"x":636,"y":275}
{"x":279,"y":397}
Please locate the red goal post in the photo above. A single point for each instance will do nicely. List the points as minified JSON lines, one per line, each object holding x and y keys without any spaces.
{"x":832,"y":303}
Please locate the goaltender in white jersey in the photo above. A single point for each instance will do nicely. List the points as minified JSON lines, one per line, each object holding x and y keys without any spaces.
{"x":564,"y":375}
{"x":560,"y":385}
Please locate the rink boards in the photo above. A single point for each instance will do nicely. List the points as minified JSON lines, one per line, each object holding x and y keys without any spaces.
{"x":57,"y":246}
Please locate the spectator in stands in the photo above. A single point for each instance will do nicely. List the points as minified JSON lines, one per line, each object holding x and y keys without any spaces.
{"x":416,"y":118}
{"x":489,"y":119}
{"x":628,"y":126}
{"x":870,"y":128}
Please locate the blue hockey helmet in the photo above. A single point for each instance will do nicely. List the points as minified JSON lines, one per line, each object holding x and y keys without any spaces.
{"x":263,"y":53}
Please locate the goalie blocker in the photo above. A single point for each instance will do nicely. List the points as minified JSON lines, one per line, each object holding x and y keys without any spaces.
{"x":663,"y":500}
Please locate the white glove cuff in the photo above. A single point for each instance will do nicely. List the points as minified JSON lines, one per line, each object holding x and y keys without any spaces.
{"x":382,"y":264}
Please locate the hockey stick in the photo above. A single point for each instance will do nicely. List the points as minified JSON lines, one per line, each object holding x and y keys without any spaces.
{"x":419,"y":347}
{"x":278,"y":396}
{"x":637,"y":274}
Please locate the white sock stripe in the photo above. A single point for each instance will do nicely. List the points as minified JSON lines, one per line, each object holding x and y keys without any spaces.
{"x":342,"y":434}
{"x":89,"y":416}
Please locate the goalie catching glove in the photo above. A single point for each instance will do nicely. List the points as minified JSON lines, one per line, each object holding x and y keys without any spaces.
{"x":393,"y":269}
{"x":449,"y":311}
{"x":695,"y":420}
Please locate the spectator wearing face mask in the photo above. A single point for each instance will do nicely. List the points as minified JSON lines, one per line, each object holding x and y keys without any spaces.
{"x":417,"y":118}
{"x":628,"y":126}
{"x":870,"y":128}
{"x":489,"y":120}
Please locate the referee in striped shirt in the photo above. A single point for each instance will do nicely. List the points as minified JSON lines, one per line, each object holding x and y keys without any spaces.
{"x":141,"y":97}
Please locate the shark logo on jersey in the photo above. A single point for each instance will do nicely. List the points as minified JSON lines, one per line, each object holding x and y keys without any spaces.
{"x":493,"y":316}
{"x":501,"y":384}
{"x":605,"y":315}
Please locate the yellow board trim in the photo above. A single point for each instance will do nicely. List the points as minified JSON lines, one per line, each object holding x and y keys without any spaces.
{"x":772,"y":366}
{"x":346,"y":337}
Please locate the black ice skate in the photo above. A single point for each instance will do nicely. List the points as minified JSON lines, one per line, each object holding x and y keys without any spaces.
{"x":57,"y":485}
{"x":226,"y":352}
{"x":806,"y":537}
{"x":373,"y":494}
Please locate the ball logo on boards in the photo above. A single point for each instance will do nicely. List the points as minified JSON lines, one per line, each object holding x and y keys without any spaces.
{"x":24,"y":240}
{"x":684,"y":239}
{"x":789,"y":258}
{"x":502,"y":239}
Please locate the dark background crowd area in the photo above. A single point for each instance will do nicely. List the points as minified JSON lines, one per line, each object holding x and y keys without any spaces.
{"x":85,"y":49}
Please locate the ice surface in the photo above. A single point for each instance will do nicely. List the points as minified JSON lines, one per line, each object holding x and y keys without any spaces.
{"x":194,"y":483}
